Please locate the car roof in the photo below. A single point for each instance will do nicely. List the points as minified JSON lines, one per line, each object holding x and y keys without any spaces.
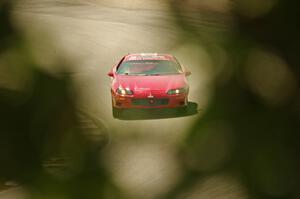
{"x":149,"y":56}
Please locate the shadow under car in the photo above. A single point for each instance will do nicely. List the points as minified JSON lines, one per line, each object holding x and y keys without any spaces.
{"x":158,"y":113}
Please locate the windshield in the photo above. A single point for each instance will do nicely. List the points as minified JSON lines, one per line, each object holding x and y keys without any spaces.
{"x":149,"y":67}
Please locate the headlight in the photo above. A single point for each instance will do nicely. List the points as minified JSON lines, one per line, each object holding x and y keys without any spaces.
{"x":176,"y":91}
{"x":123,"y":91}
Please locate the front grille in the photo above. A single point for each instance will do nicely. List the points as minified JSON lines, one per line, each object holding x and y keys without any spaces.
{"x":150,"y":102}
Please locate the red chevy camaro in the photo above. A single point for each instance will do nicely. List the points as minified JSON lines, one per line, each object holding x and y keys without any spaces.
{"x":148,"y":81}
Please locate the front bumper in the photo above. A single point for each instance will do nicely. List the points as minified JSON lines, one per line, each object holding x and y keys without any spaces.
{"x":167,"y":101}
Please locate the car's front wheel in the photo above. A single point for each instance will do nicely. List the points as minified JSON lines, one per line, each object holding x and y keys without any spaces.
{"x":185,"y":109}
{"x":116,"y":112}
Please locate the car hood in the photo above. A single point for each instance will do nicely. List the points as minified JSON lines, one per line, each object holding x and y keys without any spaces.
{"x":160,"y":82}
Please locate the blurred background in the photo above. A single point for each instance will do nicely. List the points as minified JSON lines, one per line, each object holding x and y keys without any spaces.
{"x":58,"y":138}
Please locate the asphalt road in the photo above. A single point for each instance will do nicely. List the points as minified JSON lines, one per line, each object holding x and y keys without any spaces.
{"x":90,"y":37}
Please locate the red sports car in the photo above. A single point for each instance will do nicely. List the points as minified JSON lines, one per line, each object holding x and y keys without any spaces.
{"x":148,"y":81}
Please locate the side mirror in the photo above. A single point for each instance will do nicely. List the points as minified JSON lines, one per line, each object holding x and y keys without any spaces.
{"x":110,"y":74}
{"x":187,"y":73}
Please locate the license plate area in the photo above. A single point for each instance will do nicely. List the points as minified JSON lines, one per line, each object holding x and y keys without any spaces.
{"x":150,"y":102}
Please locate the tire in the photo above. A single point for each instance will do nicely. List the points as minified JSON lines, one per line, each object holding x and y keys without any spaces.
{"x":116,"y":112}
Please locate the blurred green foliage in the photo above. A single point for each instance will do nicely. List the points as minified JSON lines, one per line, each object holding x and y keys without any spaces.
{"x":253,"y":140}
{"x":45,"y":144}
